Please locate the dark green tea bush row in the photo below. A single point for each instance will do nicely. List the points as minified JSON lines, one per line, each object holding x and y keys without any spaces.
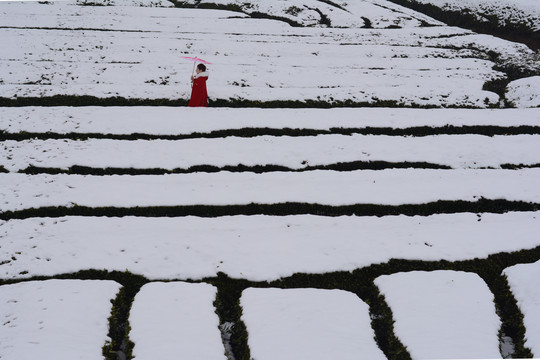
{"x":72,"y":29}
{"x":497,"y":86}
{"x":417,"y":131}
{"x":257,"y":169}
{"x":360,"y":282}
{"x":87,"y":100}
{"x":518,"y":166}
{"x":497,"y":206}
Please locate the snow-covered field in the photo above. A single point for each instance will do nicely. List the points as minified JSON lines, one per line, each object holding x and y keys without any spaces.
{"x":526,"y":12}
{"x":65,"y":49}
{"x":455,"y":151}
{"x":264,"y":264}
{"x":519,"y":92}
{"x":299,"y":324}
{"x":256,"y":247}
{"x":340,"y":14}
{"x":55,"y":319}
{"x":523,"y":280}
{"x":422,"y":301}
{"x":332,"y":188}
{"x":176,"y":121}
{"x":175,"y":320}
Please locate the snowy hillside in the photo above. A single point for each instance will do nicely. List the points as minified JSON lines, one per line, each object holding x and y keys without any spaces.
{"x":313,"y":228}
{"x":524,"y":12}
{"x":354,"y":14}
{"x":110,"y":52}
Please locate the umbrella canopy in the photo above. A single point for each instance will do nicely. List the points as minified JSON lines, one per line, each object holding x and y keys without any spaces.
{"x":196,"y":59}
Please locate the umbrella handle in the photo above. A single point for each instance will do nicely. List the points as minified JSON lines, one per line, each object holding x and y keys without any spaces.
{"x":192,"y":72}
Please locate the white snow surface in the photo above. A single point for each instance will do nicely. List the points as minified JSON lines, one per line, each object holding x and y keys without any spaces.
{"x":523,"y":280}
{"x":455,"y":151}
{"x":384,"y":187}
{"x":255,"y":247}
{"x":524,"y":92}
{"x":443,"y":314}
{"x":55,"y":319}
{"x":133,"y":52}
{"x":185,"y":121}
{"x":307,"y":324}
{"x":175,"y":320}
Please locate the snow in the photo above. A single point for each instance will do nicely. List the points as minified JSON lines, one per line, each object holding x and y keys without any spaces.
{"x":443,"y":314}
{"x":135,"y":52}
{"x":190,"y":121}
{"x":255,"y":247}
{"x":307,"y":324}
{"x":456,"y":151}
{"x":55,"y":319}
{"x":384,"y":187}
{"x":175,"y":320}
{"x":523,"y":280}
{"x":524,"y":92}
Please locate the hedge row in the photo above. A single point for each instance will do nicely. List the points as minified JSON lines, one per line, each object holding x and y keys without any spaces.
{"x":519,"y":166}
{"x":416,"y":131}
{"x":257,"y":169}
{"x":360,"y":282}
{"x":87,"y":100}
{"x":498,"y":206}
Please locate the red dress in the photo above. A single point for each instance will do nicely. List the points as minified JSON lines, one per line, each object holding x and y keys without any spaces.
{"x":199,"y":95}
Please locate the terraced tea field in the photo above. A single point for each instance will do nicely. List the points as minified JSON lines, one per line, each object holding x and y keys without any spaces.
{"x":287,"y":232}
{"x":123,"y":54}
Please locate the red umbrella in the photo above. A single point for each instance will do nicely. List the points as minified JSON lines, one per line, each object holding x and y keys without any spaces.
{"x":195,"y":60}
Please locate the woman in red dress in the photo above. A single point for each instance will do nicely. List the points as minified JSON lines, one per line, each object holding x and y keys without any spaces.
{"x":199,"y":95}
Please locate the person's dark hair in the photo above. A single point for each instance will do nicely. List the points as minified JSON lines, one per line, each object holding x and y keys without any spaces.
{"x":201,"y":67}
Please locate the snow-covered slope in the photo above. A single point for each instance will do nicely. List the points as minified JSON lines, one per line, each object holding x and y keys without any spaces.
{"x":175,"y":320}
{"x":461,"y":301}
{"x":339,"y":14}
{"x":254,"y":247}
{"x":223,"y":244}
{"x":454,"y":151}
{"x":331,"y":188}
{"x":55,"y":319}
{"x":178,"y":121}
{"x":523,"y":283}
{"x":525,"y":12}
{"x":132,"y":52}
{"x":299,"y":324}
{"x":524,"y":92}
